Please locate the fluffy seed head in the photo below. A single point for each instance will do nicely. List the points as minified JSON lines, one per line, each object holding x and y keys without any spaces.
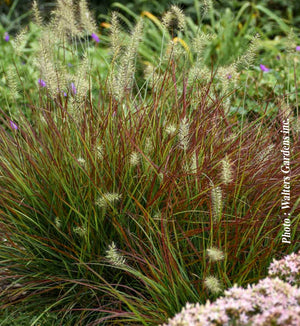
{"x":200,"y":41}
{"x":115,"y":35}
{"x":36,"y":14}
{"x":174,"y":19}
{"x":134,"y":158}
{"x":107,"y":199}
{"x":194,"y":162}
{"x":81,"y":161}
{"x":247,"y":60}
{"x":183,"y":134}
{"x":227,"y":76}
{"x":64,"y":22}
{"x":191,"y":165}
{"x":226,"y":171}
{"x":57,"y":222}
{"x":82,"y":84}
{"x":213,"y":284}
{"x":216,"y":198}
{"x":113,"y":256}
{"x":171,"y":129}
{"x":86,"y":20}
{"x":80,"y":230}
{"x":215,"y":254}
{"x":123,"y":74}
{"x":99,"y":151}
{"x":151,"y":75}
{"x":45,"y":62}
{"x":291,"y":43}
{"x":20,"y":41}
{"x":207,"y":6}
{"x":148,"y":146}
{"x":264,"y":155}
{"x":198,"y":73}
{"x":12,"y":78}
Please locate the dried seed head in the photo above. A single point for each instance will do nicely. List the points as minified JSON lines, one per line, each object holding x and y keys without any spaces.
{"x":12,"y":80}
{"x":80,"y":230}
{"x":45,"y":62}
{"x":171,"y":129}
{"x":183,"y":133}
{"x":226,"y":170}
{"x":115,"y":34}
{"x":20,"y":41}
{"x":200,"y":41}
{"x":196,"y":73}
{"x":107,"y":199}
{"x":134,"y":158}
{"x":36,"y":14}
{"x":148,"y":146}
{"x":153,"y":76}
{"x":123,"y":74}
{"x":64,"y":22}
{"x":174,"y":19}
{"x":191,"y":165}
{"x":213,"y":284}
{"x":99,"y":152}
{"x":291,"y":43}
{"x":82,"y":84}
{"x":86,"y":20}
{"x":194,"y":162}
{"x":228,"y":77}
{"x":81,"y":161}
{"x":264,"y":155}
{"x":247,"y":59}
{"x":215,"y":254}
{"x":114,"y":257}
{"x":57,"y":222}
{"x":216,"y":198}
{"x":207,"y":6}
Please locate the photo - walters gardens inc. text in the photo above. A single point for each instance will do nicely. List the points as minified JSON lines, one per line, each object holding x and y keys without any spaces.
{"x":286,"y":191}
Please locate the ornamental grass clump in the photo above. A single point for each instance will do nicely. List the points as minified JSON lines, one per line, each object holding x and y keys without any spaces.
{"x":141,"y":169}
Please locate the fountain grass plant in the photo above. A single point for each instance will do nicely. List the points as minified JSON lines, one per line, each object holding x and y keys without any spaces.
{"x":120,"y":209}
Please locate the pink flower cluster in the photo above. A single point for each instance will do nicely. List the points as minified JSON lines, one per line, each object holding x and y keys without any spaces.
{"x":270,"y":302}
{"x":287,"y":269}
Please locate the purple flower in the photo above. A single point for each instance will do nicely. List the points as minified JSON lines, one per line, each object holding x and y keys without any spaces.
{"x":6,"y":36}
{"x":95,"y":37}
{"x":42,"y":83}
{"x":74,"y":91}
{"x":65,"y":94}
{"x":264,"y":68}
{"x":298,"y":48}
{"x":13,"y":125}
{"x":278,"y":57}
{"x":70,"y":65}
{"x":229,"y":76}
